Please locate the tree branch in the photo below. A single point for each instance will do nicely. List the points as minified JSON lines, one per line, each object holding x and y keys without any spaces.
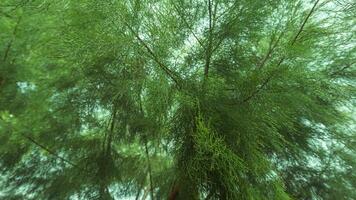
{"x":154,"y":56}
{"x":210,"y":38}
{"x":228,"y":10}
{"x":187,"y":24}
{"x":48,"y":150}
{"x":264,"y":84}
{"x":342,"y":69}
{"x":146,"y":148}
{"x":107,"y":151}
{"x":222,"y":37}
{"x":271,"y":48}
{"x":304,"y":22}
{"x":8,"y":48}
{"x":149,"y":168}
{"x":283,"y":58}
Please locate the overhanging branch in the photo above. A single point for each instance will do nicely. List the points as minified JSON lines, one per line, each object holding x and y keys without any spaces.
{"x":304,"y":22}
{"x":338,"y":72}
{"x":187,"y":24}
{"x":271,"y":48}
{"x":263,"y":85}
{"x":9,"y":45}
{"x":154,"y":56}
{"x":33,"y":141}
{"x":209,"y":48}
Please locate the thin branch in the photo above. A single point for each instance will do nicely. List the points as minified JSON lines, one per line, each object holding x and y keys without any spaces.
{"x":304,"y":22}
{"x":210,"y":15}
{"x":48,"y":150}
{"x":145,"y":194}
{"x":110,"y":126}
{"x":228,"y":10}
{"x":271,"y":48}
{"x":264,"y":84}
{"x":138,"y":193}
{"x":222,"y":38}
{"x":283,"y":58}
{"x":22,"y":4}
{"x":217,"y":45}
{"x":210,"y":38}
{"x":146,"y":149}
{"x":8,"y":48}
{"x":111,"y":131}
{"x":187,"y":24}
{"x":342,"y":69}
{"x":149,"y":168}
{"x":154,"y":56}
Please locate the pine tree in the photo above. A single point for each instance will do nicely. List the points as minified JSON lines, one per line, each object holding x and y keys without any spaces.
{"x":178,"y":100}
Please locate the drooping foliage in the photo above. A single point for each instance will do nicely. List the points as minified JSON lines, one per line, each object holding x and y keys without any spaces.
{"x":206,"y":99}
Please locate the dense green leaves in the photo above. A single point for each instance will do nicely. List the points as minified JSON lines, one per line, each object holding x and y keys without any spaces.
{"x":207,"y":99}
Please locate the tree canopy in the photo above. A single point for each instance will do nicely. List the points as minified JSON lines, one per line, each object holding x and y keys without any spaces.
{"x":177,"y":99}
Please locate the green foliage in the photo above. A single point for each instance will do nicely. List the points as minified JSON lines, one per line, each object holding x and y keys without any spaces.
{"x":207,"y":99}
